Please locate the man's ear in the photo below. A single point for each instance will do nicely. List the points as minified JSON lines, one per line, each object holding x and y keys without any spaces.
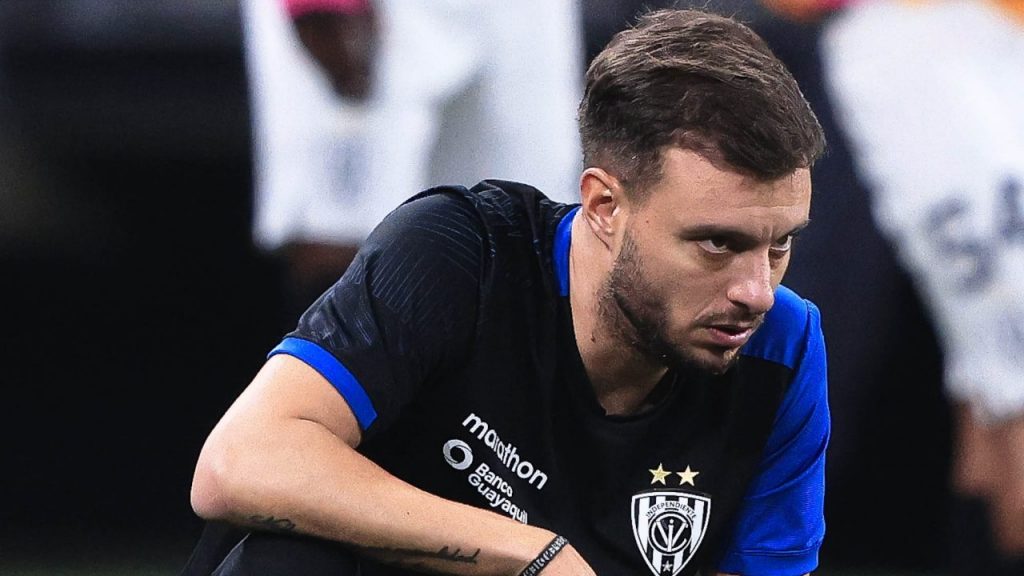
{"x":604,"y":204}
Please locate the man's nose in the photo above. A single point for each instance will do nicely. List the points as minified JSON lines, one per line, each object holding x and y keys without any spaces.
{"x":752,"y":288}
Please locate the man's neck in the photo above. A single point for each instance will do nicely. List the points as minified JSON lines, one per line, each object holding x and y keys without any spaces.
{"x":621,"y":376}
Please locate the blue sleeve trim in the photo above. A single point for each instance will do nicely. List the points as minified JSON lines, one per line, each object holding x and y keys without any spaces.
{"x":563,"y":239}
{"x":335,"y":372}
{"x":781,"y":524}
{"x":780,"y":338}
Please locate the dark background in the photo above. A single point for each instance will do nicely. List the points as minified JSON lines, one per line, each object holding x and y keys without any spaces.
{"x":134,"y":308}
{"x":133,"y":305}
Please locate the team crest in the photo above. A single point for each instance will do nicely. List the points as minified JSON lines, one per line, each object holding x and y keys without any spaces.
{"x":669,"y":527}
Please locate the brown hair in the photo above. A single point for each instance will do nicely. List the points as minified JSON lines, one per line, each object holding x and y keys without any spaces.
{"x":701,"y":82}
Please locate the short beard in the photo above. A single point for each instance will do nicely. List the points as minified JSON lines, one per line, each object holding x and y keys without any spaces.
{"x":628,"y":308}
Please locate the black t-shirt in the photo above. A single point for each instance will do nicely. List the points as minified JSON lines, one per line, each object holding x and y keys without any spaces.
{"x":451,"y":338}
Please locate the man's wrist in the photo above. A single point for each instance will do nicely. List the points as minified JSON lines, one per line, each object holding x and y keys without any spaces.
{"x":545,"y":556}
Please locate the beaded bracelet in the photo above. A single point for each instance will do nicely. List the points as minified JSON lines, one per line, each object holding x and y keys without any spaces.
{"x":545,"y":556}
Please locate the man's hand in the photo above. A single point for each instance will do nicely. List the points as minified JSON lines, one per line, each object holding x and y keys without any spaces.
{"x":344,"y":45}
{"x":989,"y":464}
{"x":1008,"y":498}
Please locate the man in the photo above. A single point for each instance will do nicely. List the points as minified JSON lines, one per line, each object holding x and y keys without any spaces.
{"x":502,"y":384}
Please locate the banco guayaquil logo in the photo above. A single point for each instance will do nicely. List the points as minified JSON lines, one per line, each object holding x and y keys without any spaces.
{"x":669,"y":526}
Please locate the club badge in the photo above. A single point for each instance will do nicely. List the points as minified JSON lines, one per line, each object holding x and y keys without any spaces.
{"x":669,"y":526}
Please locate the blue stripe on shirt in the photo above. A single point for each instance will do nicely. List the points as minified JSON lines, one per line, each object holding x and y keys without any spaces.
{"x":335,"y":372}
{"x":563,"y":238}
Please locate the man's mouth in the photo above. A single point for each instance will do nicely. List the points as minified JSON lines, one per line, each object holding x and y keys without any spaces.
{"x":731,"y":335}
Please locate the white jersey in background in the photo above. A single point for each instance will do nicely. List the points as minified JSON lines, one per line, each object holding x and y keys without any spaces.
{"x":931,"y":95}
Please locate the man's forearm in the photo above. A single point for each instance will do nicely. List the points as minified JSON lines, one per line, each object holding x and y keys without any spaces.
{"x":250,"y":476}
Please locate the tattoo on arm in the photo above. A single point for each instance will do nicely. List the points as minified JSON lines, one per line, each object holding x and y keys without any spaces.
{"x":407,"y":556}
{"x":402,"y":556}
{"x":272,"y":524}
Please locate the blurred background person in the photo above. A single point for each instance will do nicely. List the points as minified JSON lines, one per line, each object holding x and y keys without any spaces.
{"x":359,"y":104}
{"x":930,"y":95}
{"x":309,"y":70}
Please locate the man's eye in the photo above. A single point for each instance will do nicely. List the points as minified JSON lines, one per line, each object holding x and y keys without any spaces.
{"x":783,"y":245}
{"x":714,"y":245}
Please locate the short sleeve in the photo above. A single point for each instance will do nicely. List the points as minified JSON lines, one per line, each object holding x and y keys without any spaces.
{"x":404,"y":310}
{"x":781,"y":523}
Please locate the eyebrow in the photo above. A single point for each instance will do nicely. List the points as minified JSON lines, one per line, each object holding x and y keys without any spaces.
{"x":733,"y":234}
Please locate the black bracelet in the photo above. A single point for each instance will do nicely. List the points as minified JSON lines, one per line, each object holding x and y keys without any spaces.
{"x":547,"y":555}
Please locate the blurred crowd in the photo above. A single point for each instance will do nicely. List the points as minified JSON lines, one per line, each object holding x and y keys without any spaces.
{"x":915,"y":255}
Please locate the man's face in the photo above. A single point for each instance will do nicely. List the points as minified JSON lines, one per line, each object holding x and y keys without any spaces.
{"x":699,"y":260}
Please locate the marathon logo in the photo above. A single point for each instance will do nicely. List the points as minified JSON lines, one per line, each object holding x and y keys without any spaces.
{"x":508,"y":454}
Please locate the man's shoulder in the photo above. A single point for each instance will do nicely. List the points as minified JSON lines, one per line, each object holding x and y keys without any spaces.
{"x":786,"y":329}
{"x":490,"y":197}
{"x":504,"y":231}
{"x":500,"y":206}
{"x":506,"y":211}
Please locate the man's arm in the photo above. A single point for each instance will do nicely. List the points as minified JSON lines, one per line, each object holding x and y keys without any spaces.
{"x":989,"y":465}
{"x":283,"y":457}
{"x":342,"y":37}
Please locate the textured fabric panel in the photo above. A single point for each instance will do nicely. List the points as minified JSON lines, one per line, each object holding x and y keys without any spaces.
{"x":405,"y":308}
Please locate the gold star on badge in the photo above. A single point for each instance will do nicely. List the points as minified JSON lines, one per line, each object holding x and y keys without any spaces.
{"x":659,"y":474}
{"x":686,"y":476}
